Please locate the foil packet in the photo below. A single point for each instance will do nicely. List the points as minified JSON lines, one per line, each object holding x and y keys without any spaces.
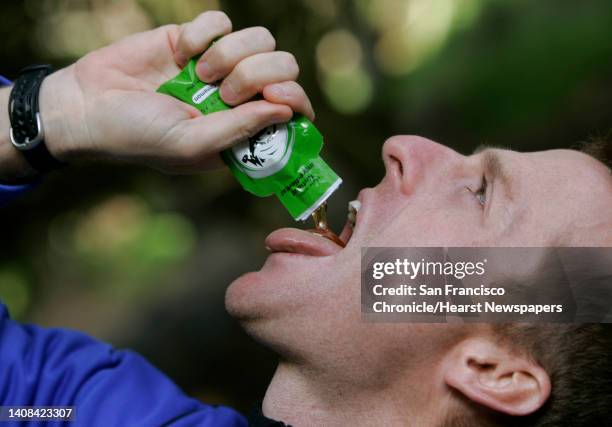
{"x":282,"y":159}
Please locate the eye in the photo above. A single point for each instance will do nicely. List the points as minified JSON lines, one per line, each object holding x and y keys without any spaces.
{"x":481,"y":193}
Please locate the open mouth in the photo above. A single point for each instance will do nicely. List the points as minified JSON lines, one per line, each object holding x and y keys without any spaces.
{"x":320,"y":241}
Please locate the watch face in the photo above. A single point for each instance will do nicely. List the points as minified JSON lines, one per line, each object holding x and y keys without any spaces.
{"x":29,"y":143}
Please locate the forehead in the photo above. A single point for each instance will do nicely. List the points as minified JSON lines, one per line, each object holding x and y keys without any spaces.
{"x":560,"y":189}
{"x":568,"y":170}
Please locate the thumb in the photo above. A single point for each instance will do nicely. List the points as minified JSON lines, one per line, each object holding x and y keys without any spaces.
{"x":198,"y":139}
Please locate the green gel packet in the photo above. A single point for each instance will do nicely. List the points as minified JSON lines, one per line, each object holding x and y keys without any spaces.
{"x":282,"y":159}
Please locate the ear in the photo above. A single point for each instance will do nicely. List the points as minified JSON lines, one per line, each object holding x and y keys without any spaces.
{"x":489,"y":374}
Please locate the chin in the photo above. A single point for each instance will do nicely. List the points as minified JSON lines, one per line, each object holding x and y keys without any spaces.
{"x":282,"y":285}
{"x":279,"y":303}
{"x":238,"y":303}
{"x":260,"y":294}
{"x":261,"y":313}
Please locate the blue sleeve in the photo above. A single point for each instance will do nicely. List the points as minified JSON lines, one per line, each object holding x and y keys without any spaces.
{"x":9,"y":192}
{"x":108,"y":387}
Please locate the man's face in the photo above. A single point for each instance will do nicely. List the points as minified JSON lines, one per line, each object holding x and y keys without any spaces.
{"x":305,"y":301}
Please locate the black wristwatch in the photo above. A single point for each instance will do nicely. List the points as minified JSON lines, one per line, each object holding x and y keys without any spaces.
{"x":27,"y":134}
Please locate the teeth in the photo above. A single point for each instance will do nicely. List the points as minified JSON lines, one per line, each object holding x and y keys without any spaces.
{"x":353,"y":208}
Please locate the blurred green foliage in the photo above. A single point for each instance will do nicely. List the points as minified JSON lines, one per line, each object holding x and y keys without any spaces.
{"x":142,"y":260}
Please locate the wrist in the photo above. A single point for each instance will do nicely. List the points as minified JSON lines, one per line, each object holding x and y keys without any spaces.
{"x":61,"y":111}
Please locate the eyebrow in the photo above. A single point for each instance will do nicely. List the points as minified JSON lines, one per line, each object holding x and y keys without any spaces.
{"x":495,"y":167}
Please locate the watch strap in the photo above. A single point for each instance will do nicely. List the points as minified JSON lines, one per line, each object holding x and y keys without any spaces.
{"x":27,"y":134}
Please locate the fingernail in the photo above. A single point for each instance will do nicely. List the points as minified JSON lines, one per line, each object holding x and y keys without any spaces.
{"x":228,"y":94}
{"x":205,"y":72}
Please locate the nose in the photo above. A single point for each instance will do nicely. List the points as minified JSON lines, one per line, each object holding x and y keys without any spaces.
{"x":408,"y":158}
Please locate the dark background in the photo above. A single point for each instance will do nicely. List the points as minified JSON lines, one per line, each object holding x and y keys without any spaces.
{"x":142,"y":260}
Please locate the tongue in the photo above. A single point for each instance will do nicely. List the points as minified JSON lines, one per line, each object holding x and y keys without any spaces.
{"x":328,"y":234}
{"x":301,"y":242}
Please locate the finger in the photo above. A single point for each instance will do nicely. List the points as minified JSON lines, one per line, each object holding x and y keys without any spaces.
{"x":197,"y":35}
{"x":222,"y":57}
{"x":252,"y":74}
{"x":292,"y":94}
{"x":197,"y":140}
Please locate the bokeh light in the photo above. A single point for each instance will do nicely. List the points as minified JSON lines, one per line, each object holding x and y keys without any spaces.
{"x":339,"y":51}
{"x":422,"y":33}
{"x":177,"y":11}
{"x":346,"y":84}
{"x":348,"y":92}
{"x":71,"y":28}
{"x":409,"y":32}
{"x":123,"y":229}
{"x":323,"y":8}
{"x":14,"y":290}
{"x":111,"y":226}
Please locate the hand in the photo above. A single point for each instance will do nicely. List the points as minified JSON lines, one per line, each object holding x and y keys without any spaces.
{"x":105,"y":105}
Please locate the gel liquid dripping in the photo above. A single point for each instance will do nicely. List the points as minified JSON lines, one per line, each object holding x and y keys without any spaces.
{"x":319,"y":216}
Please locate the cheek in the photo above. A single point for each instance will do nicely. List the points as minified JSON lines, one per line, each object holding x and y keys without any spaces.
{"x":452,"y":220}
{"x":437,"y":227}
